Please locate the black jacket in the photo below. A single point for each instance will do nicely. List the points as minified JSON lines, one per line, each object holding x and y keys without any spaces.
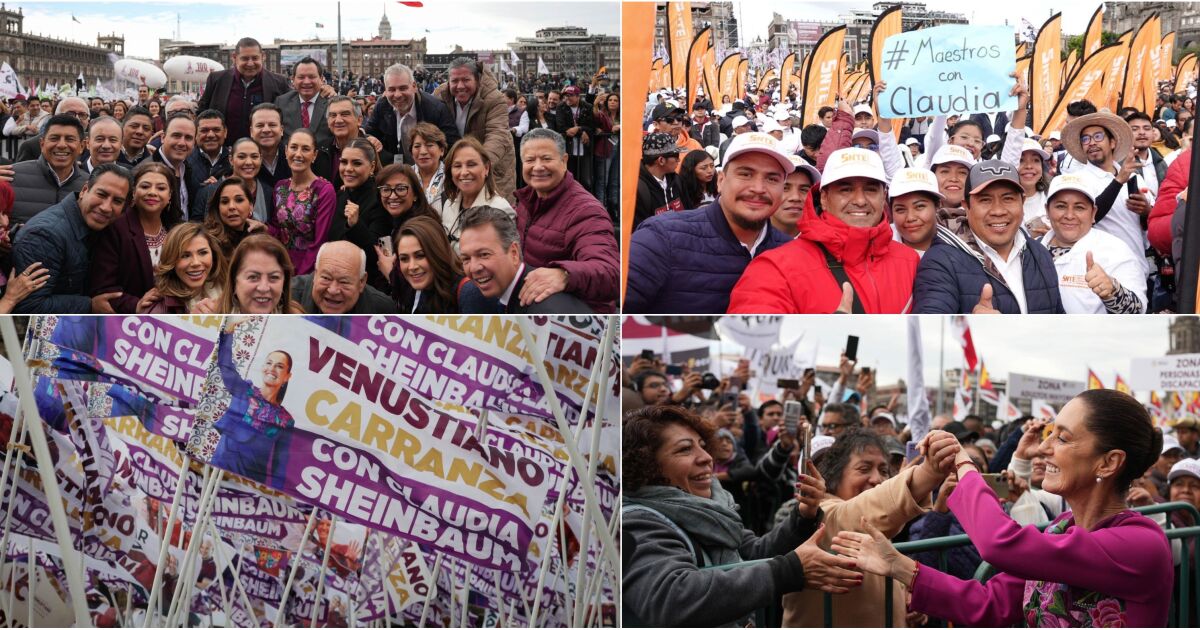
{"x":373,"y":223}
{"x":558,"y":303}
{"x":708,"y":135}
{"x":382,"y":123}
{"x":652,"y":200}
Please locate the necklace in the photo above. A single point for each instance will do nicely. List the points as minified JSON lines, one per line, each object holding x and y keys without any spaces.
{"x":154,"y":241}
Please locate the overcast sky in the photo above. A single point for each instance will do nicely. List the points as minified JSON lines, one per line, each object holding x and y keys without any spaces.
{"x":755,"y":15}
{"x":1051,"y":346}
{"x":473,"y":25}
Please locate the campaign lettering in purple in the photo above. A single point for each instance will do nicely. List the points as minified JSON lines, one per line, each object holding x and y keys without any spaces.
{"x":155,"y":351}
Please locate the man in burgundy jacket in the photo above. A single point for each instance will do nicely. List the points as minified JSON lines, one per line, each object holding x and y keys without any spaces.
{"x":234,"y":92}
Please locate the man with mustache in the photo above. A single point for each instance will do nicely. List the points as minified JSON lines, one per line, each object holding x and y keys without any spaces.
{"x":844,"y":259}
{"x":688,"y":262}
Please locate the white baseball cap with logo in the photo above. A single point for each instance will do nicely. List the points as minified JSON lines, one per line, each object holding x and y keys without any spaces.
{"x":738,"y":121}
{"x":782,"y":115}
{"x":1071,"y":181}
{"x":870,"y":134}
{"x":1183,"y":468}
{"x":1029,"y":144}
{"x":863,"y":108}
{"x":758,"y":142}
{"x":952,"y":154}
{"x":802,"y":165}
{"x":770,"y":125}
{"x":910,"y":180}
{"x":853,"y":162}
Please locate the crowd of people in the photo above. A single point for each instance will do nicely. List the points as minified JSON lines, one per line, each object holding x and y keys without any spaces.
{"x":712,"y":479}
{"x":740,"y":209}
{"x":278,"y":194}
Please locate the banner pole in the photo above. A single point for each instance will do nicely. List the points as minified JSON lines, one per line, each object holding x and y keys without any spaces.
{"x":576,"y":462}
{"x":235,"y":570}
{"x":287,"y":589}
{"x":546,"y":554}
{"x":72,"y":563}
{"x":466,"y":594}
{"x":12,"y":494}
{"x":225,"y":607}
{"x":321,"y":576}
{"x":598,"y":580}
{"x":31,"y":570}
{"x":183,"y":591}
{"x":156,"y":585}
{"x":593,"y":465}
{"x":437,"y":567}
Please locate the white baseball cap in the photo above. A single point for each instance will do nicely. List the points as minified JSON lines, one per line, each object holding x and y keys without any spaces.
{"x":1056,"y":135}
{"x":1170,"y":444}
{"x":802,"y":164}
{"x":758,"y":142}
{"x":912,"y":179}
{"x":782,"y":115}
{"x":1030,"y":144}
{"x":1171,"y":123}
{"x":853,"y":162}
{"x":866,"y":133}
{"x":1184,"y":467}
{"x":863,"y":108}
{"x":738,"y":121}
{"x":770,"y":125}
{"x":1070,"y":181}
{"x":952,"y":153}
{"x":992,"y":138}
{"x":912,"y":141}
{"x":820,"y":443}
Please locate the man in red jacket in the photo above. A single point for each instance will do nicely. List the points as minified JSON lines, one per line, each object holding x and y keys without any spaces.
{"x":1176,"y":181}
{"x":844,"y":260}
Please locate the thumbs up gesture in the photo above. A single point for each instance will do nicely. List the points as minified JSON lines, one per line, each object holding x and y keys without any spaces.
{"x":1098,"y":281}
{"x":984,"y":307}
{"x":846,"y":306}
{"x":351,"y":213}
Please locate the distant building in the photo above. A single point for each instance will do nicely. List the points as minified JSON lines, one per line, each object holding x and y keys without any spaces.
{"x":40,"y":60}
{"x":1181,"y":17}
{"x":568,"y":50}
{"x":719,"y":15}
{"x":914,"y":15}
{"x":1185,"y":335}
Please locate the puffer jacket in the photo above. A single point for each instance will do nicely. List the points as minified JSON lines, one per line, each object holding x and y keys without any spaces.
{"x":569,"y":229}
{"x":487,"y":122}
{"x":688,"y":262}
{"x":796,"y":278}
{"x":37,"y":188}
{"x":951,"y":276}
{"x":1159,"y":223}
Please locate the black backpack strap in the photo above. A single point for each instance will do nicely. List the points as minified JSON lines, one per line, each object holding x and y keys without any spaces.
{"x":839,"y":274}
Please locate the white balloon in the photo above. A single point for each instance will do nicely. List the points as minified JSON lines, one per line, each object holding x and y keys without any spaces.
{"x":139,"y":72}
{"x":190,"y":69}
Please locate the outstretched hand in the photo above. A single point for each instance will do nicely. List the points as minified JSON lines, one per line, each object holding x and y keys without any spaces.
{"x":871,"y":551}
{"x":824,"y":571}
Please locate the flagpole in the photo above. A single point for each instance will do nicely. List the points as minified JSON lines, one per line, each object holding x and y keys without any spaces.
{"x":72,"y":562}
{"x":941,"y":366}
{"x":340,"y":68}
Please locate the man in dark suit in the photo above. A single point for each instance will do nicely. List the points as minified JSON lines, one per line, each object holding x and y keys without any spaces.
{"x":305,"y":105}
{"x":210,"y":155}
{"x":994,"y":123}
{"x":236,"y":91}
{"x":491,"y":257}
{"x":406,"y":105}
{"x":179,"y":140}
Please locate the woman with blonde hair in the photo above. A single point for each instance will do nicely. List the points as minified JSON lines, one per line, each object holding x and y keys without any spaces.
{"x":189,"y":274}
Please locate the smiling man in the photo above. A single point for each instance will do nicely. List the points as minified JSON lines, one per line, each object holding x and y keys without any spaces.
{"x":688,"y":262}
{"x":479,"y":109}
{"x":103,"y":142}
{"x":844,"y":260}
{"x":52,"y":177}
{"x":995,"y":267}
{"x":403,"y":106}
{"x":338,"y":284}
{"x":235,"y":92}
{"x":179,"y":140}
{"x":304,"y":105}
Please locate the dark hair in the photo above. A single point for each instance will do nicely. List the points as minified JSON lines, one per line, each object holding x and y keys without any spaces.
{"x":136,"y":110}
{"x":762,"y":409}
{"x":511,"y":93}
{"x":213,"y":224}
{"x":173,"y":213}
{"x":639,"y":379}
{"x":270,"y":107}
{"x":210,"y":113}
{"x":478,"y":216}
{"x":1120,"y":422}
{"x":824,"y":110}
{"x":446,"y":267}
{"x":65,"y":120}
{"x":468,"y":63}
{"x":1136,"y":115}
{"x":837,"y":457}
{"x":1124,"y":112}
{"x":247,"y":42}
{"x":112,"y":168}
{"x":690,"y":188}
{"x":641,"y":437}
{"x":309,"y":60}
{"x":283,"y":388}
{"x":964,"y":123}
{"x":1080,"y":108}
{"x":420,"y":206}
{"x":813,"y":135}
{"x":428,"y":132}
{"x":177,"y":116}
{"x":848,"y":412}
{"x":368,"y":151}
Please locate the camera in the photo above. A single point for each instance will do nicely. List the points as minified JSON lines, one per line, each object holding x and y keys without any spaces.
{"x":709,"y":381}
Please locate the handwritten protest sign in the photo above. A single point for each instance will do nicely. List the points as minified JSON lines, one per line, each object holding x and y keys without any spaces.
{"x":948,"y":70}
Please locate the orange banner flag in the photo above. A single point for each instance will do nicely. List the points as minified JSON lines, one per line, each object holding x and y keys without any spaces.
{"x":1070,"y":68}
{"x":728,"y":77}
{"x":1166,"y":67}
{"x":1114,"y":78}
{"x":710,"y":77}
{"x":1045,"y":84}
{"x":695,"y":65}
{"x":822,"y":76}
{"x":1139,"y":58}
{"x":887,"y":24}
{"x":1185,"y":72}
{"x":1093,"y":38}
{"x":637,"y":53}
{"x":786,"y":74}
{"x":679,"y":40}
{"x":765,"y":80}
{"x":1087,"y":84}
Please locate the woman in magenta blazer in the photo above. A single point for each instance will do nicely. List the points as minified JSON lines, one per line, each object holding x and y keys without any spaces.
{"x":126,"y":252}
{"x":1097,"y":565}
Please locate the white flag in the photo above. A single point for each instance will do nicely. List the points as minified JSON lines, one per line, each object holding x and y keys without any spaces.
{"x":9,"y":85}
{"x":962,"y":404}
{"x":758,"y":332}
{"x":515,"y":59}
{"x":1043,"y":409}
{"x":504,"y":67}
{"x":918,"y":405}
{"x":542,"y":69}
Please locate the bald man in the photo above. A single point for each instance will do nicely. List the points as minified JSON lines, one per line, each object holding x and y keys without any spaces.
{"x":338,"y":284}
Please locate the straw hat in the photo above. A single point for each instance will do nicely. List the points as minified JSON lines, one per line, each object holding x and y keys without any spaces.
{"x":1116,"y":126}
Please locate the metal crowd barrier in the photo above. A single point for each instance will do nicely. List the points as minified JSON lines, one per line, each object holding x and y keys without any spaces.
{"x":1185,"y":596}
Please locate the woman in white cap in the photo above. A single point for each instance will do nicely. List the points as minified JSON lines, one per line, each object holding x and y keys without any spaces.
{"x":1097,"y":273}
{"x":951,"y":165}
{"x":1035,"y":179}
{"x":915,"y":199}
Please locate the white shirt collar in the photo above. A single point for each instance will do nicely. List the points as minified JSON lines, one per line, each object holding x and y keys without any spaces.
{"x":762,"y":236}
{"x":1018,"y":243}
{"x":508,"y":292}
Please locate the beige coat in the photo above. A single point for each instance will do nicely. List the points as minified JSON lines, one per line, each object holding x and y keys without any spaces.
{"x":888,"y":507}
{"x":487,"y":122}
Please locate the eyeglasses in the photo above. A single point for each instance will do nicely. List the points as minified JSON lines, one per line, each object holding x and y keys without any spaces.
{"x":833,"y":426}
{"x":1099,"y":136}
{"x":388,"y":191}
{"x":80,"y":115}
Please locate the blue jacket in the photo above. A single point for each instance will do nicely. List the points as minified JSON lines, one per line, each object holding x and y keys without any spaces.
{"x":951,"y":276}
{"x":59,"y":239}
{"x":688,"y":262}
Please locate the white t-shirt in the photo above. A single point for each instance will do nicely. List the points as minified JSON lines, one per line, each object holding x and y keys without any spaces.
{"x":1112,"y":255}
{"x":1120,"y":221}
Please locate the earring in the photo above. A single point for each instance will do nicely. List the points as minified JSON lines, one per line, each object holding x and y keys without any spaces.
{"x":1099,"y":478}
